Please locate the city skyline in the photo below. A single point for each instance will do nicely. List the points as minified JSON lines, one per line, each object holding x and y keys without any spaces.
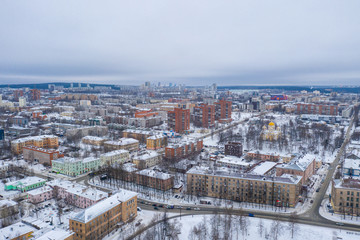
{"x":232,"y":43}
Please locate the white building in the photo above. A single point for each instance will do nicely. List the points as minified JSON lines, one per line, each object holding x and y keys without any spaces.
{"x":117,"y":156}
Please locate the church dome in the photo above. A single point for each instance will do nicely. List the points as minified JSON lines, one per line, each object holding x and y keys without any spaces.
{"x":271,"y":124}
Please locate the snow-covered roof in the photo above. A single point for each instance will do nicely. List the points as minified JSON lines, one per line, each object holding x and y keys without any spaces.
{"x":224,"y":172}
{"x":26,"y":181}
{"x":103,"y":206}
{"x":157,"y":136}
{"x":15,"y":230}
{"x":129,"y":167}
{"x":234,"y":160}
{"x":37,"y":138}
{"x":352,"y":163}
{"x":37,"y":191}
{"x":299,"y":163}
{"x":79,"y":190}
{"x":154,"y":174}
{"x":53,"y":234}
{"x":7,"y":203}
{"x":123,"y":141}
{"x":114,"y":153}
{"x":93,"y":138}
{"x":263,"y":168}
{"x":147,"y":155}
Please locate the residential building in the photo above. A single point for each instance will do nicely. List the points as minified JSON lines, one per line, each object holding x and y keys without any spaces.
{"x":183,"y":149}
{"x":25,"y":184}
{"x":300,"y":166}
{"x":145,"y":122}
{"x":102,"y":218}
{"x":235,"y":163}
{"x":233,"y":149}
{"x":129,"y":144}
{"x":145,"y":114}
{"x":35,"y":94}
{"x":283,"y":191}
{"x":41,"y":194}
{"x":147,"y":159}
{"x":93,"y":140}
{"x":43,"y":141}
{"x":139,"y":135}
{"x":317,"y":108}
{"x":9,"y":210}
{"x":74,"y":167}
{"x":156,"y":141}
{"x":117,"y":156}
{"x":85,"y":103}
{"x":22,"y":102}
{"x":223,"y":111}
{"x":76,"y":194}
{"x":204,"y":116}
{"x":179,"y":120}
{"x":345,"y":195}
{"x":155,"y":179}
{"x":41,"y":155}
{"x":351,"y":167}
{"x":264,"y":156}
{"x":17,"y":231}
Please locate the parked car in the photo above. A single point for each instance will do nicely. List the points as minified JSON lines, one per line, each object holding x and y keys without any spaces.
{"x":139,"y":209}
{"x":251,"y":214}
{"x":188,"y":208}
{"x":339,"y":224}
{"x":156,"y":208}
{"x":197,"y":209}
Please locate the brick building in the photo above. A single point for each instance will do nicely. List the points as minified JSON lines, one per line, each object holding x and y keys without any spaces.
{"x":184,"y":149}
{"x":223,"y":111}
{"x":317,"y":108}
{"x":129,"y":144}
{"x":179,"y":120}
{"x":345,"y":195}
{"x":264,"y":156}
{"x":41,"y":155}
{"x":204,"y":116}
{"x":233,"y":149}
{"x":156,"y":142}
{"x":35,"y":94}
{"x":155,"y":179}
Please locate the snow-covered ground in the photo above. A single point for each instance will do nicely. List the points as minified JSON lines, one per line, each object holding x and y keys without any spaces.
{"x":253,"y":232}
{"x":324,"y":211}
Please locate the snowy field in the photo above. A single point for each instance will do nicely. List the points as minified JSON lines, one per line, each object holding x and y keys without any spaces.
{"x":255,"y":232}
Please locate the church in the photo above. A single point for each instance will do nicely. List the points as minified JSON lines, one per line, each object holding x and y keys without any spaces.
{"x":271,"y":133}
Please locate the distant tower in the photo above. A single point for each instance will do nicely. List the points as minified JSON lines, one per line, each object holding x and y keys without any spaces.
{"x":147,"y":84}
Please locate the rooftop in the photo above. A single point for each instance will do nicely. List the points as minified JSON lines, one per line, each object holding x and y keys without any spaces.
{"x":103,"y":206}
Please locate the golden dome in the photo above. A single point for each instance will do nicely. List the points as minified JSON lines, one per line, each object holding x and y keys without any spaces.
{"x":271,"y":124}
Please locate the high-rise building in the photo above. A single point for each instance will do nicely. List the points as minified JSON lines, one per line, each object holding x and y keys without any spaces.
{"x":179,"y":120}
{"x":35,"y":94}
{"x":22,"y":102}
{"x":223,"y":111}
{"x":204,"y":116}
{"x":17,"y":94}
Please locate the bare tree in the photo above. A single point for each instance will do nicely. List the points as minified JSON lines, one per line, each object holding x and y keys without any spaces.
{"x":260,"y":227}
{"x":276,"y":229}
{"x":293,"y":223}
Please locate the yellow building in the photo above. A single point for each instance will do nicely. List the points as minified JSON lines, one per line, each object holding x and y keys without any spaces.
{"x":271,"y":133}
{"x":43,"y":141}
{"x":155,"y":142}
{"x":97,"y":221}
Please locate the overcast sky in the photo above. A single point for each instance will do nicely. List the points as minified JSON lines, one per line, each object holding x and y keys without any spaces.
{"x":307,"y":42}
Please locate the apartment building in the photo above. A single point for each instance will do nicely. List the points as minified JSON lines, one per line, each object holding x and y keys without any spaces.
{"x":117,"y":156}
{"x":204,"y":116}
{"x":233,"y":149}
{"x":93,"y":140}
{"x":184,"y":149}
{"x":156,"y":142}
{"x":102,"y":218}
{"x":41,"y":155}
{"x":139,"y":135}
{"x":264,"y":156}
{"x":223,"y":111}
{"x":74,"y":167}
{"x":345,"y":195}
{"x":317,"y":108}
{"x":129,"y":144}
{"x":147,"y":159}
{"x":155,"y":179}
{"x":43,"y":141}
{"x":179,"y":120}
{"x":40,"y":194}
{"x":301,"y":166}
{"x":283,"y":191}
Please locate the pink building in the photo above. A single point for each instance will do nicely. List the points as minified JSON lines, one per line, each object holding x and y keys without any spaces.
{"x":40,"y":194}
{"x":76,"y":194}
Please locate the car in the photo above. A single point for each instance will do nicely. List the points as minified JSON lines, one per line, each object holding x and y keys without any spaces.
{"x":142,"y":202}
{"x":154,"y":205}
{"x":318,"y":190}
{"x":176,"y":196}
{"x":170,"y":206}
{"x":197,"y":209}
{"x":179,"y":207}
{"x":339,"y":224}
{"x":251,"y":215}
{"x":188,"y":208}
{"x":139,"y":209}
{"x":156,"y":208}
{"x":161,"y":205}
{"x":311,"y":201}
